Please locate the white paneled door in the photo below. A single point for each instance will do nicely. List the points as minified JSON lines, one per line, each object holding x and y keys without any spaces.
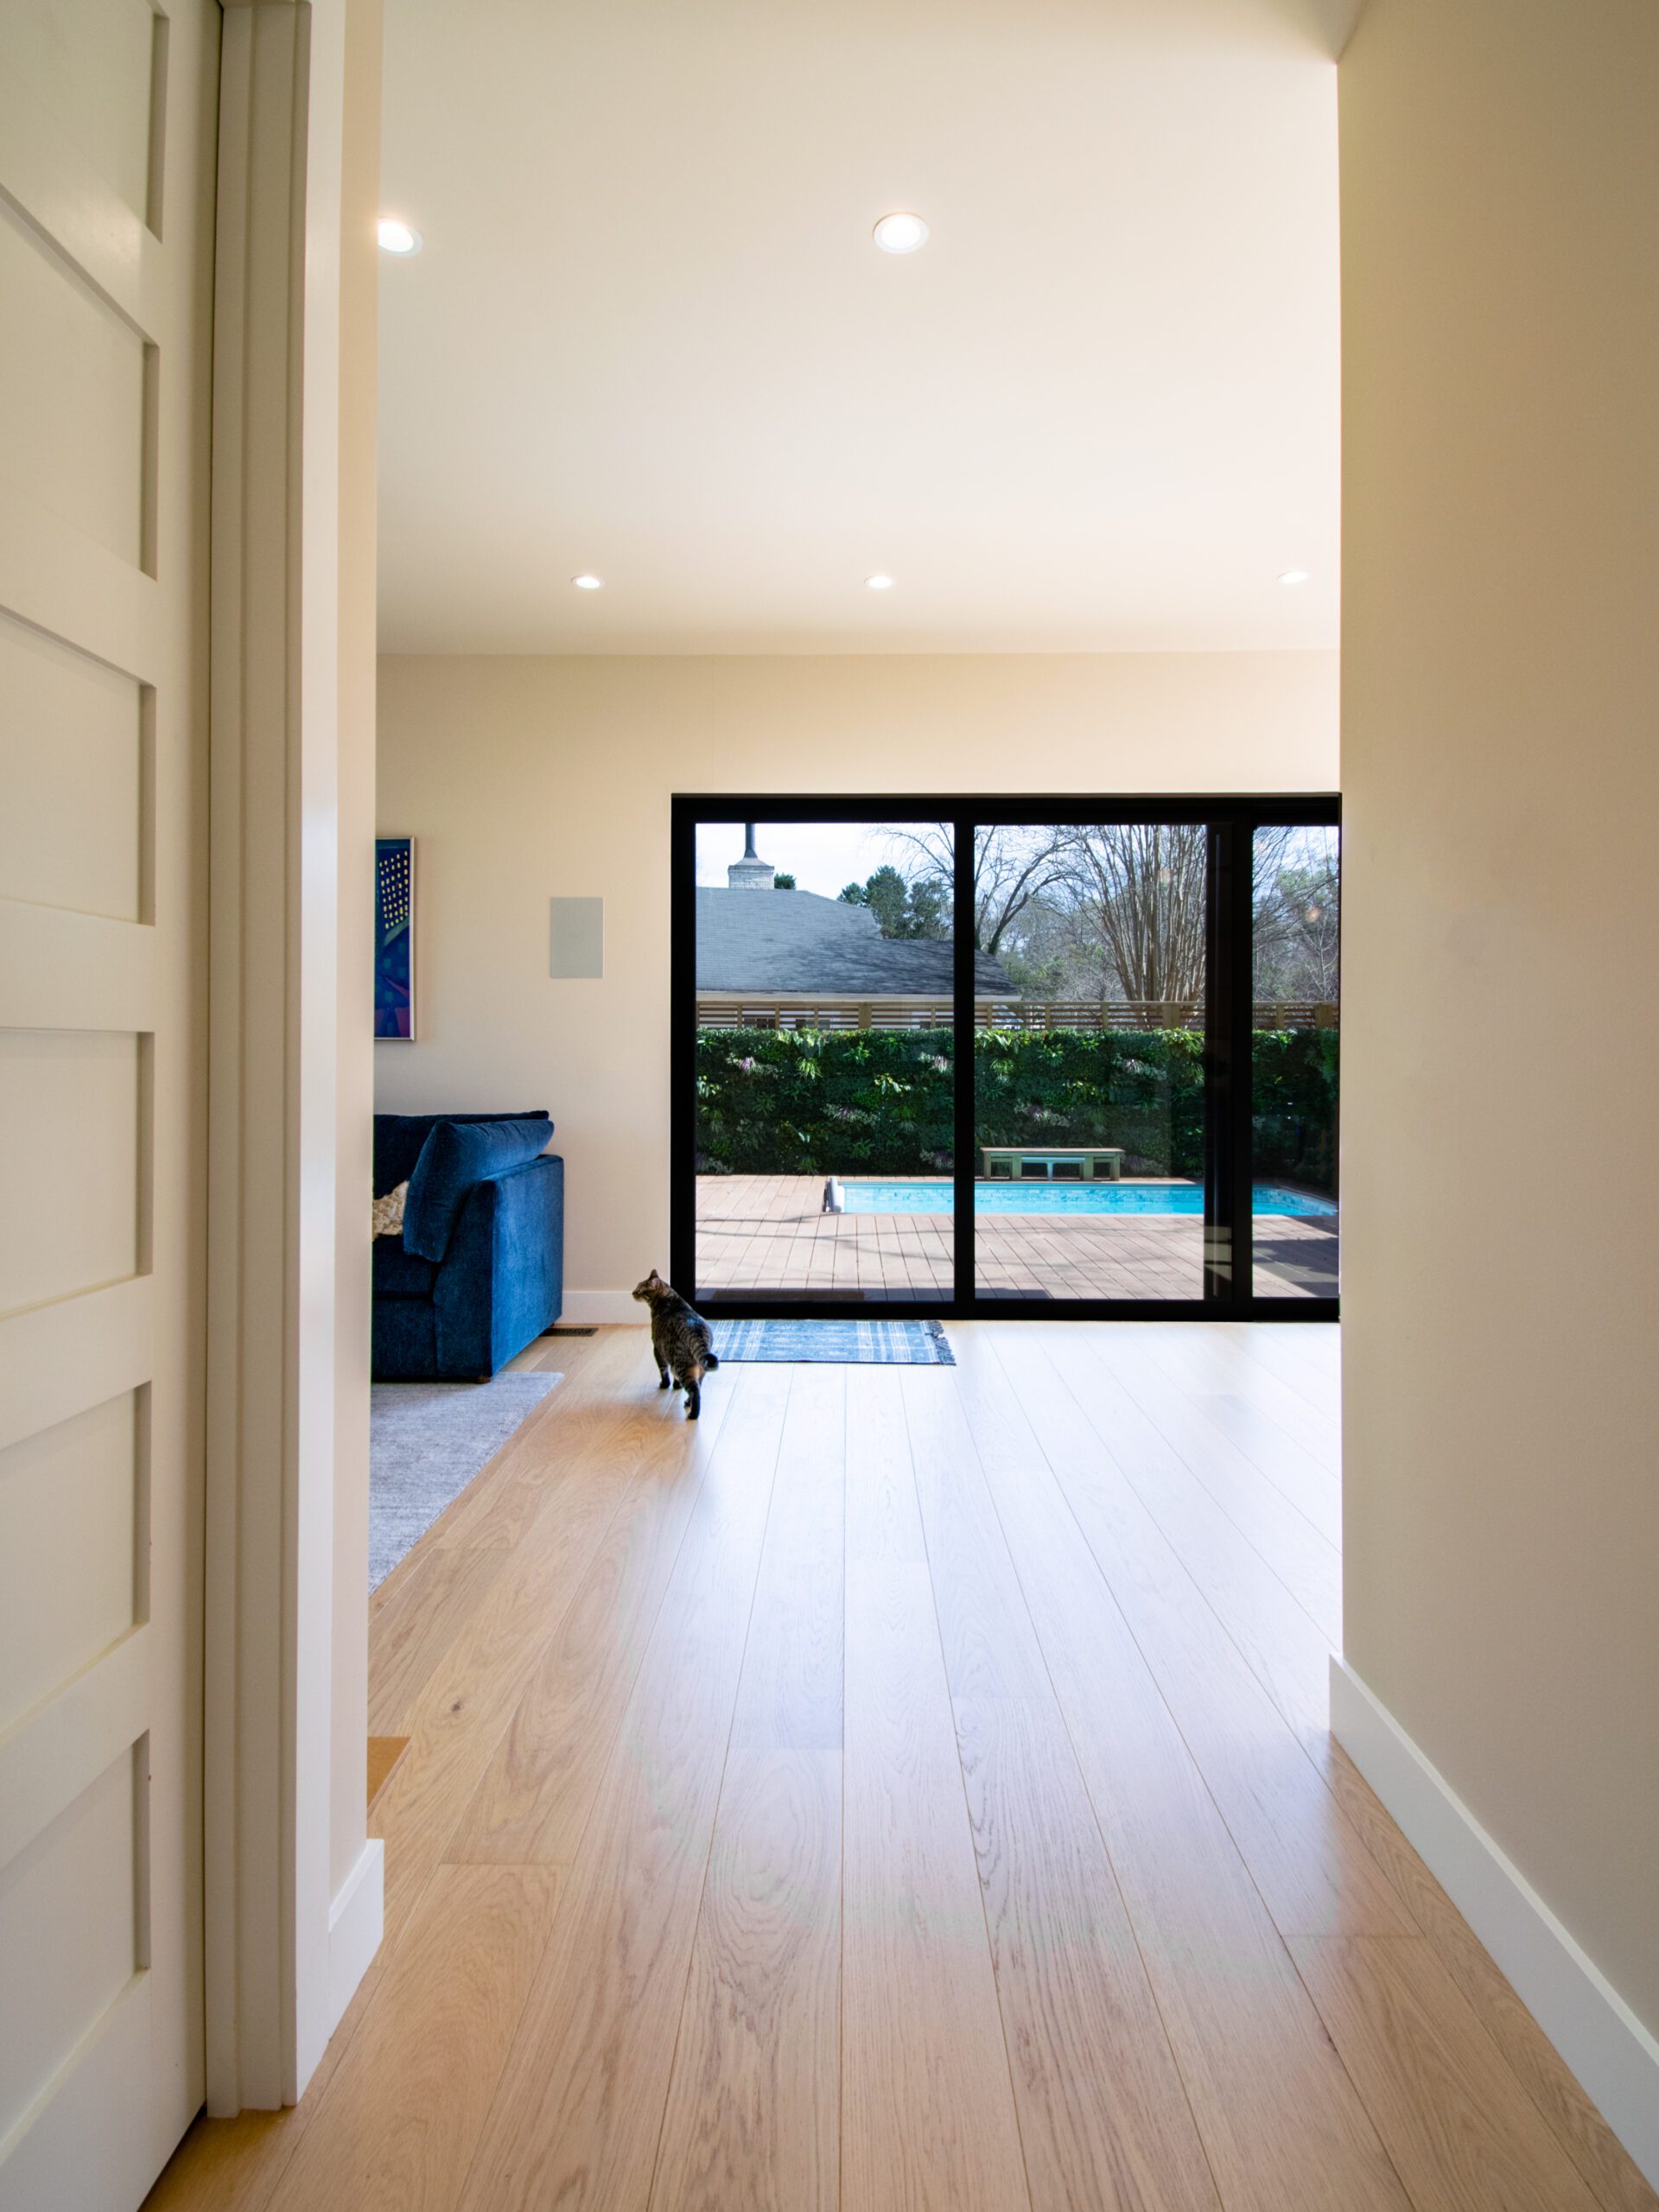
{"x":107,"y":198}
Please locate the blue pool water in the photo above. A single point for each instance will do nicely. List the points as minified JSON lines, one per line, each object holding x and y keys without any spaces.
{"x":920,"y":1197}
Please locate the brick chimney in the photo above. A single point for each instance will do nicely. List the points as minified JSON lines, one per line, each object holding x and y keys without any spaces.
{"x":750,"y":873}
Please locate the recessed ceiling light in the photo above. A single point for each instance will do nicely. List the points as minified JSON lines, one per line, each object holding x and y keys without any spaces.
{"x":900,"y":233}
{"x":586,"y":582}
{"x":397,"y":237}
{"x":878,"y":583}
{"x":1294,"y":576}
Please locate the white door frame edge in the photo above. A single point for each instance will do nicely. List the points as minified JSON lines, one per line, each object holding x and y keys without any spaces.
{"x":284,"y":1946}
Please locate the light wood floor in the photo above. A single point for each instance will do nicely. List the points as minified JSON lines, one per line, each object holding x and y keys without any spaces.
{"x":907,"y":1788}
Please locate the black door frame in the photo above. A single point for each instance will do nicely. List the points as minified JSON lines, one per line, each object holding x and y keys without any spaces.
{"x":1232,"y":819}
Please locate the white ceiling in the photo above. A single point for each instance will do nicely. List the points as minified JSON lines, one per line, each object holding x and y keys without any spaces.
{"x":648,"y":334}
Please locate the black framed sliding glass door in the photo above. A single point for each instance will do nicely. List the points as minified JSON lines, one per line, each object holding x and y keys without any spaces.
{"x":1296,"y":911}
{"x":822,"y":1118}
{"x":1089,"y":1069}
{"x":1069,"y":1056}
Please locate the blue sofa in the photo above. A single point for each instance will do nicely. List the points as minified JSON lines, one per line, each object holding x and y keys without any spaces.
{"x":478,"y":1271}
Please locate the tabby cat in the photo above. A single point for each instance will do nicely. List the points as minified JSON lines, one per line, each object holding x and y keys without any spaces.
{"x":680,"y":1341}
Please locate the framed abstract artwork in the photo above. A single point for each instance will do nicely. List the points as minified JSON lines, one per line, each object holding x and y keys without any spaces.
{"x":394,"y":939}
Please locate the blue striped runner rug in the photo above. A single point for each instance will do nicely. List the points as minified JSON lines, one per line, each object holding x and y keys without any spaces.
{"x":845,"y":1343}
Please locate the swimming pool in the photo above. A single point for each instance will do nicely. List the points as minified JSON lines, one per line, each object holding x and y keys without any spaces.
{"x":1034,"y":1196}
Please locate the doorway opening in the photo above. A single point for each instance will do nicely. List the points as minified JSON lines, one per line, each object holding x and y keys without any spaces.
{"x":976,"y":1055}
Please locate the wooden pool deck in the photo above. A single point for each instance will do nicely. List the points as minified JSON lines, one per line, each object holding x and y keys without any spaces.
{"x":768,"y":1233}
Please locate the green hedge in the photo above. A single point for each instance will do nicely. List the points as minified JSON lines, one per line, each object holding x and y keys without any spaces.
{"x":880,"y":1102}
{"x":1295,"y":1106}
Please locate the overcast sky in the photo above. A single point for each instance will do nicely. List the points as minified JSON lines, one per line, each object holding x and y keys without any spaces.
{"x":821,"y":855}
{"x":825,"y":855}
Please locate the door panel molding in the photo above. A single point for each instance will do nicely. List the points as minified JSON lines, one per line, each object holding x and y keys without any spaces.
{"x":113,"y":965}
{"x":70,"y":1738}
{"x":56,"y":1361}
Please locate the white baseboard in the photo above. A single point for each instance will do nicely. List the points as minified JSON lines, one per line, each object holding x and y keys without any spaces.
{"x":1614,"y":2055}
{"x":584,"y":1307}
{"x":356,"y":1922}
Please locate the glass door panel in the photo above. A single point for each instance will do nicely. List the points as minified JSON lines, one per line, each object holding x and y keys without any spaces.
{"x":825,"y":1060}
{"x":1296,"y":908}
{"x":1089,"y":1069}
{"x":1103,"y":1051}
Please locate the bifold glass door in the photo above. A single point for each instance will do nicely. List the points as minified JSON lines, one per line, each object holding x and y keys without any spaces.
{"x":980,"y":1056}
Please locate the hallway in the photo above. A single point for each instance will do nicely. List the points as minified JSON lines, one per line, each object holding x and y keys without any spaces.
{"x":906,"y":1788}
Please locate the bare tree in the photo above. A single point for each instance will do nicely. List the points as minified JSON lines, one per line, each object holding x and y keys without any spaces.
{"x":1054,"y":952}
{"x":1142,"y":884}
{"x":1116,"y":910}
{"x":1013,"y":865}
{"x":1297,"y":913}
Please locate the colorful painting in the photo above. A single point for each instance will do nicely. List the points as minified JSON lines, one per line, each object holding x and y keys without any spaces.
{"x":394,"y":939}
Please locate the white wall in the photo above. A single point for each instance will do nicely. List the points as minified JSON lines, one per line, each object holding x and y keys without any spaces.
{"x":522,"y":778}
{"x":1500,"y":175}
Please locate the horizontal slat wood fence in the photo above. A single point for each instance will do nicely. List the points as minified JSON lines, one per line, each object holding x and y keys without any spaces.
{"x":1023,"y":1016}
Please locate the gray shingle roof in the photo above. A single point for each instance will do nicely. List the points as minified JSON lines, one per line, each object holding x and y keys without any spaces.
{"x":795,"y":943}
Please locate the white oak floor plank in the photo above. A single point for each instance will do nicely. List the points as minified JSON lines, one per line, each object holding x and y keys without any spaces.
{"x":534,"y":1797}
{"x":754,"y":2113}
{"x":457,"y":1723}
{"x":1311,"y":1867}
{"x":1281,"y":2124}
{"x":1197,"y":1468}
{"x":1104,"y":2118}
{"x":927,"y":2103}
{"x":753,"y":2121}
{"x":1303,"y":1357}
{"x":412,"y":1633}
{"x":1308,"y":1480}
{"x":791,"y":1693}
{"x":576,"y":2120}
{"x":1146,"y":1401}
{"x":1534,"y":2060}
{"x":398,"y":2121}
{"x":884,"y":1525}
{"x":1288,"y":1650}
{"x":1463,"y":2133}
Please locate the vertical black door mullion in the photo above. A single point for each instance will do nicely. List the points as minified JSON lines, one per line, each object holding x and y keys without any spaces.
{"x":962,"y":1059}
{"x":1218,"y":1192}
{"x":683,"y":1050}
{"x":1238,"y":953}
{"x":1229,"y":1194}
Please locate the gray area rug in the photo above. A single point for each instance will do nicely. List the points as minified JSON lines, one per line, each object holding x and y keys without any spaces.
{"x":842,"y":1343}
{"x":427,"y":1440}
